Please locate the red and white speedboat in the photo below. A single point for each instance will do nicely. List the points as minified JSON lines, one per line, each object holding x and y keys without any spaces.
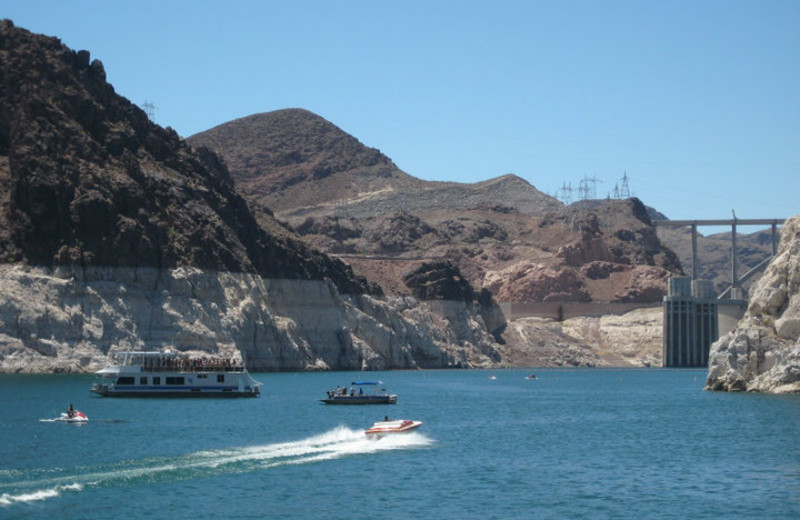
{"x":386,"y":427}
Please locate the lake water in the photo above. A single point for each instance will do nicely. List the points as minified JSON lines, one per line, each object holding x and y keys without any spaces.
{"x":570,"y":444}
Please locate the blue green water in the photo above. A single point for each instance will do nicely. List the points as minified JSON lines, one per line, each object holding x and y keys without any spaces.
{"x":571,"y":444}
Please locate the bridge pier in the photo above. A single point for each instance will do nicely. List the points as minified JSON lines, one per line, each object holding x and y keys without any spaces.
{"x":695,"y":265}
{"x":734,"y":277}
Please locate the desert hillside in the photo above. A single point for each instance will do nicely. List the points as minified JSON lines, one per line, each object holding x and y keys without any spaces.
{"x":503,"y":235}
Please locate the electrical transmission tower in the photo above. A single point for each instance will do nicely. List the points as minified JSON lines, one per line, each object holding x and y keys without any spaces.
{"x":624,"y":192}
{"x":565,"y":193}
{"x":149,"y":109}
{"x":587,"y":189}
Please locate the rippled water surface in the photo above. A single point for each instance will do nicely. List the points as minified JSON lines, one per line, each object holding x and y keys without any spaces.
{"x":570,"y":444}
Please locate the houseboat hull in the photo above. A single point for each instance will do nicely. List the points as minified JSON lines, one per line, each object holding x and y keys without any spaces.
{"x":178,"y":392}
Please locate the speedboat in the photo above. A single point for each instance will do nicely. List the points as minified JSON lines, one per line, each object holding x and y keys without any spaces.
{"x":386,"y":427}
{"x":374,"y":394}
{"x":76,"y":416}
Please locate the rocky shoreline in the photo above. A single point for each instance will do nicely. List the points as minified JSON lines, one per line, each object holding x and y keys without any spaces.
{"x":762,"y":354}
{"x":67,"y":320}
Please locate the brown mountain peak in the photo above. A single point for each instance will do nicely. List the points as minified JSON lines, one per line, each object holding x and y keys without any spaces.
{"x":293,"y":157}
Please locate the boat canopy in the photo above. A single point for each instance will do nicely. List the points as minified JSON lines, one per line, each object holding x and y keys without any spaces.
{"x":367,"y":383}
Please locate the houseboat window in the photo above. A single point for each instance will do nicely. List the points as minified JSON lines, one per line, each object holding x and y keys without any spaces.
{"x":202,"y":376}
{"x":220,"y":378}
{"x":156,"y":380}
{"x":143,"y":380}
{"x":125,"y":380}
{"x":174,"y":380}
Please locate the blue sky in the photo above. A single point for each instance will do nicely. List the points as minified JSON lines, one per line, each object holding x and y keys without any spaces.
{"x":697,"y":101}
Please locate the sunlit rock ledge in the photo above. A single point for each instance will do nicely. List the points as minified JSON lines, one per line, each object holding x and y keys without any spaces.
{"x":762,"y":354}
{"x":68,"y":319}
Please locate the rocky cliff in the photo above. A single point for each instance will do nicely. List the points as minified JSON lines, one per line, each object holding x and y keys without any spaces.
{"x":632,"y":339}
{"x":115,"y":234}
{"x":67,"y":320}
{"x":762,"y":354}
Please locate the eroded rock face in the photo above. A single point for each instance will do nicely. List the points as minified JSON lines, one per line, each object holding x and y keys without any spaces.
{"x":644,"y":284}
{"x":632,"y":339}
{"x":762,"y":353}
{"x":528,"y":281}
{"x":439,"y":281}
{"x":68,"y":320}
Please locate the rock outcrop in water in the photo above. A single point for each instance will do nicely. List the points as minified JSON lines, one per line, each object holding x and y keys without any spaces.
{"x":762,"y":354}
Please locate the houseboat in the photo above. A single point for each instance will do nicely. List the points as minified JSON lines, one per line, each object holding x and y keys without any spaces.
{"x":170,"y":374}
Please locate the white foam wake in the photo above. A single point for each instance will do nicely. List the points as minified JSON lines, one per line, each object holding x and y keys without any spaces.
{"x":337,"y":443}
{"x":6,"y":499}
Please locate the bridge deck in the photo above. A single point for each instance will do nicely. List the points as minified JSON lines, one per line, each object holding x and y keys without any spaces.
{"x":735,"y":280}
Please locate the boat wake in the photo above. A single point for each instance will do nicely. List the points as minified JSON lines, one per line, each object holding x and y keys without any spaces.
{"x":44,"y":484}
{"x":107,"y":421}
